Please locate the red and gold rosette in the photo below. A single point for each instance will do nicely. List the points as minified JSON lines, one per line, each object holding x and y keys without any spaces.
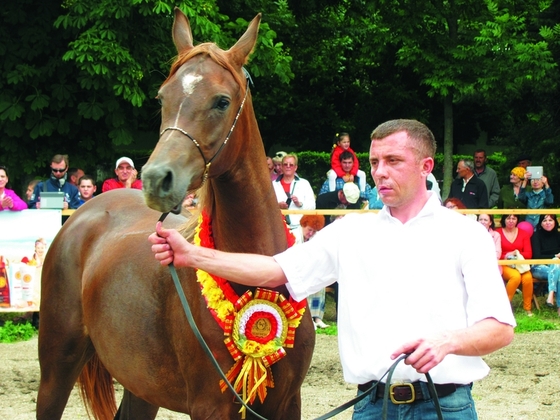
{"x":257,"y":328}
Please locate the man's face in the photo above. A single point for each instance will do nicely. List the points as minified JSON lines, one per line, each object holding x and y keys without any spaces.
{"x":58,"y":169}
{"x":397,"y":170}
{"x":269,"y":163}
{"x":462,"y":170}
{"x":124,"y":171}
{"x":347,"y":164}
{"x":289,"y":166}
{"x":524,"y":163}
{"x":479,"y":160}
{"x":76,"y":177}
{"x":87,"y":189}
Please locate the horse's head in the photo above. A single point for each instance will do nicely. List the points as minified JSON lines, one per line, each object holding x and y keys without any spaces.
{"x":202,"y":100}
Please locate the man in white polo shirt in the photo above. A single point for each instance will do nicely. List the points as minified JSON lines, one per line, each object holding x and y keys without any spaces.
{"x":419,"y":279}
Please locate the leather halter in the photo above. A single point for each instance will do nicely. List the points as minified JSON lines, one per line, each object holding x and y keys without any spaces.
{"x":197,"y":144}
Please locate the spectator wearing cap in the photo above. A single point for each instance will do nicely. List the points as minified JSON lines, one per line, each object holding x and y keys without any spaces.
{"x":348,"y":197}
{"x":126,"y":176}
{"x":509,"y":194}
{"x":524,"y":161}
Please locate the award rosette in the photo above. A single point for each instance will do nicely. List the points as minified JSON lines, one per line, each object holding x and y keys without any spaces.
{"x":257,"y":328}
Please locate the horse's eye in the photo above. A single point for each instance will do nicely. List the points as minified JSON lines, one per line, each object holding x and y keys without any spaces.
{"x":222,"y":104}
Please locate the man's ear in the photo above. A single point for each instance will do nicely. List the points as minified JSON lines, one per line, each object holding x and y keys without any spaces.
{"x":427,"y":165}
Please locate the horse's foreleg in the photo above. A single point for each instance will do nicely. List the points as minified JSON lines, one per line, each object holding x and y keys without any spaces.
{"x":134,"y":408}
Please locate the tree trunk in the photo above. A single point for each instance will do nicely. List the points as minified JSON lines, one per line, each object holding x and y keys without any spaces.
{"x":447,"y":145}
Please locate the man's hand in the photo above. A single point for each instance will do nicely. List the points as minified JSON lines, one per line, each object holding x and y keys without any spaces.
{"x":169,"y":246}
{"x":425,"y":353}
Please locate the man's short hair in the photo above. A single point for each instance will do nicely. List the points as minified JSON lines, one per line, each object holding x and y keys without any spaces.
{"x":468,"y":164}
{"x":346,"y":155}
{"x":60,"y":158}
{"x":420,"y":133}
{"x":480,"y":151}
{"x":292,"y":155}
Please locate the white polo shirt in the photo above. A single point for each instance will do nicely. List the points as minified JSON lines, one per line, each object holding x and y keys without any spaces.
{"x":398,"y":282}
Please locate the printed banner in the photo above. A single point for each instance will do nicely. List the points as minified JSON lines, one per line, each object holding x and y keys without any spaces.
{"x":25,"y":237}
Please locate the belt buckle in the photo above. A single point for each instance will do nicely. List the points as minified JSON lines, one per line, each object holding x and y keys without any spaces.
{"x":392,"y":393}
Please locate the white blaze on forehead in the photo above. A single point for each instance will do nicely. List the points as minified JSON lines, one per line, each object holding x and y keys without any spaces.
{"x":189,"y":82}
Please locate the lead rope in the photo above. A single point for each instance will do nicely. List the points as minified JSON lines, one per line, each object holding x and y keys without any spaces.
{"x":330,"y":414}
{"x":198,"y":335}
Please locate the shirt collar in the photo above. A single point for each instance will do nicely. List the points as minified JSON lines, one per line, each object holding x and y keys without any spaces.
{"x":429,"y":209}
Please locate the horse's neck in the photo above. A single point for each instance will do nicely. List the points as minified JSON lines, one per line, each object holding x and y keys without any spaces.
{"x":246,"y":216}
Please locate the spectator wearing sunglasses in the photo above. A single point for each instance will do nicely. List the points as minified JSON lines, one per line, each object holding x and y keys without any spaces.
{"x":9,"y":200}
{"x":57,"y":182}
{"x":293,"y":192}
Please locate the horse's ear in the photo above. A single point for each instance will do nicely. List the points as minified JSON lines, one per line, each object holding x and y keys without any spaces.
{"x":239,"y":53}
{"x":182,"y":34}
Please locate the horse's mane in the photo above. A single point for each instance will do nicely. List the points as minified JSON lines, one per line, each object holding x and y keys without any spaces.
{"x":204,"y":193}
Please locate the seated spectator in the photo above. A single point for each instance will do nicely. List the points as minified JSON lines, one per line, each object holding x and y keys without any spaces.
{"x":347,"y":198}
{"x":468,"y":188}
{"x":277,"y":162}
{"x":538,"y":197}
{"x":57,"y":183}
{"x":348,"y":173}
{"x":9,"y":200}
{"x":487,"y":221}
{"x":509,"y":194}
{"x":546,"y":245}
{"x":524,"y":161}
{"x":30,"y":187}
{"x":374,"y":200}
{"x":432,"y":184}
{"x":74,"y":175}
{"x":513,"y":241}
{"x":87,"y":188}
{"x":309,"y":225}
{"x":346,"y":163}
{"x":293,"y":192}
{"x":271,"y":171}
{"x":189,"y":203}
{"x":126,"y":176}
{"x":453,"y":204}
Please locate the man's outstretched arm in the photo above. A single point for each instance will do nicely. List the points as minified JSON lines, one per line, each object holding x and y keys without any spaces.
{"x":169,"y":246}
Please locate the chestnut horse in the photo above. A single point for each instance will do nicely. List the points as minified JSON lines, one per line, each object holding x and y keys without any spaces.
{"x":109,"y":310}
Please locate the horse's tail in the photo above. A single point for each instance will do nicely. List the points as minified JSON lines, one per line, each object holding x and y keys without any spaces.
{"x":97,"y":391}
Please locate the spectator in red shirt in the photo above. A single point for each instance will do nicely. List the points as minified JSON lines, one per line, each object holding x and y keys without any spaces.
{"x":126,"y":176}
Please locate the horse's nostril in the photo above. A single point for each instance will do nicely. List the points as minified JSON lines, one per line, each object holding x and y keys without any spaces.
{"x":167,"y":182}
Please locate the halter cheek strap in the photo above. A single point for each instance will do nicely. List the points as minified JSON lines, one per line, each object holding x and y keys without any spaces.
{"x":197,"y":144}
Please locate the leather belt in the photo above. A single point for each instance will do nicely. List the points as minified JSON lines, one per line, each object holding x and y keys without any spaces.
{"x":406,"y":393}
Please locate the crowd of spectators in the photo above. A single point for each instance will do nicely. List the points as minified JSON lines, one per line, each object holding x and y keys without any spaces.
{"x":345,"y":187}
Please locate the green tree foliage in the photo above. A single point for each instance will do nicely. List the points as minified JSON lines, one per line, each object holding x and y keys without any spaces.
{"x":81,"y":77}
{"x":468,"y":50}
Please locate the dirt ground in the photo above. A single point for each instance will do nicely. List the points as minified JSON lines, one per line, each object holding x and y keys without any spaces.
{"x":524,"y":383}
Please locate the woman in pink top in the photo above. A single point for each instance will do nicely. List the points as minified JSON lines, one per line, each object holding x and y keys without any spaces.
{"x":487,"y":221}
{"x":515,"y":239}
{"x":9,"y":200}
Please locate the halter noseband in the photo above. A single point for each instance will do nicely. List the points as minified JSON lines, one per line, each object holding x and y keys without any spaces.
{"x":197,"y":144}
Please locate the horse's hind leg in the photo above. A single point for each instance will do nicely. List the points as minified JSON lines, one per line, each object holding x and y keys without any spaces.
{"x":134,"y":408}
{"x":61,"y":360}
